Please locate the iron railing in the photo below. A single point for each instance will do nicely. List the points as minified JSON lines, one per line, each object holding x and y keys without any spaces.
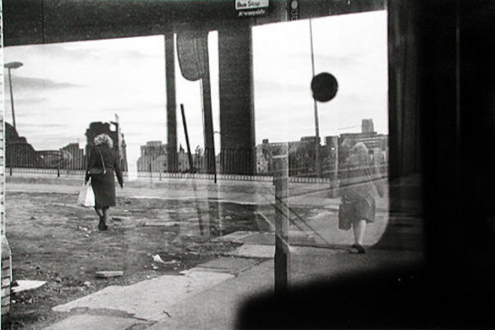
{"x":231,"y":164}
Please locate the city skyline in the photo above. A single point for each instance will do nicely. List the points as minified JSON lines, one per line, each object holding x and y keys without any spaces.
{"x":181,"y":146}
{"x":63,"y":87}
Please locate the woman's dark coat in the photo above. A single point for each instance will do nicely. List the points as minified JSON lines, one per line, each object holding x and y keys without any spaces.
{"x":104,"y":186}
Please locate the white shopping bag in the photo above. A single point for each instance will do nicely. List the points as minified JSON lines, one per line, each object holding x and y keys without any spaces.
{"x":86,"y":196}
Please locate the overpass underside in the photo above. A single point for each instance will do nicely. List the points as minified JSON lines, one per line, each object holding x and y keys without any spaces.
{"x":40,"y":22}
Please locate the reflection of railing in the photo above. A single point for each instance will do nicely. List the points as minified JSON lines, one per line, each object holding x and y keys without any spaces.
{"x":234,"y":177}
{"x":239,"y":161}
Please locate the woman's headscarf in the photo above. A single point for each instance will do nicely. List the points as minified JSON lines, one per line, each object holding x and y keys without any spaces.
{"x":103,"y":139}
{"x":359,"y":154}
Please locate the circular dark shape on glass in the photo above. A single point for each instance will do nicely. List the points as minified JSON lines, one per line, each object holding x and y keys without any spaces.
{"x":324,"y":87}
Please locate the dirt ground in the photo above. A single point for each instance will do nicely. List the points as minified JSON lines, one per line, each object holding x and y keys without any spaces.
{"x":54,"y":240}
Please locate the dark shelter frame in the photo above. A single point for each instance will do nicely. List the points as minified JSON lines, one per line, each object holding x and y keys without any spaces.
{"x":441,"y":126}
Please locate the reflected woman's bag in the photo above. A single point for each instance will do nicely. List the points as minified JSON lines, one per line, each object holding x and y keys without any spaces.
{"x":86,"y":196}
{"x":345,"y":215}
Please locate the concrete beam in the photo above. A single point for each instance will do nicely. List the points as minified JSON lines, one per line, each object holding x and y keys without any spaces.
{"x":39,"y":22}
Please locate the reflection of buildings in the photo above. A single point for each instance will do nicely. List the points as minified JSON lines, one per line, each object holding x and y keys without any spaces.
{"x":302,"y":154}
{"x":263,"y":158}
{"x":115,"y":134}
{"x":154,"y":158}
{"x":377,"y":144}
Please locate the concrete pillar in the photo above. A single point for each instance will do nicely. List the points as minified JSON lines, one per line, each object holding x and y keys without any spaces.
{"x":171,"y":103}
{"x":236,"y":100}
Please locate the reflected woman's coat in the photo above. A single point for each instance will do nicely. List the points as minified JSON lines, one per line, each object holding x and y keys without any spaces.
{"x":361,"y":183}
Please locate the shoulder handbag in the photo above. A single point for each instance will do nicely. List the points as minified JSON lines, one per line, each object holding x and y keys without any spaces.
{"x":95,"y":172}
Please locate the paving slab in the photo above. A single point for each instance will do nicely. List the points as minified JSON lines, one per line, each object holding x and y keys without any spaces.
{"x":259,"y":239}
{"x":236,"y":237}
{"x":150,"y":299}
{"x":109,"y":274}
{"x":217,"y":308}
{"x":162,"y":223}
{"x":95,"y":322}
{"x":301,"y":238}
{"x":254,"y":251}
{"x":268,"y":238}
{"x":25,"y":285}
{"x":227,"y":265}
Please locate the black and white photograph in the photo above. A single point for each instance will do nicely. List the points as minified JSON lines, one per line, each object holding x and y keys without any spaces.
{"x":247,"y":164}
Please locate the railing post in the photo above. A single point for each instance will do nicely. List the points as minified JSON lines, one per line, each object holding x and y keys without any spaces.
{"x":10,"y":160}
{"x":282,"y":248}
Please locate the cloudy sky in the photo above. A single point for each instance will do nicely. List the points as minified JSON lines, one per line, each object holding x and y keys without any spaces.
{"x":61,"y":88}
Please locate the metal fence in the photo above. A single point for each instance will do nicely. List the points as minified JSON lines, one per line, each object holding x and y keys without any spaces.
{"x":231,"y":164}
{"x":22,"y":158}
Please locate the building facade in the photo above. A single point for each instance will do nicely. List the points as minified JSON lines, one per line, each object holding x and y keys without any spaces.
{"x":302,"y":154}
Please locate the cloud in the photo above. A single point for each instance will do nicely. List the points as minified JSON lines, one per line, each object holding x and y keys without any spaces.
{"x":131,"y":50}
{"x":27,"y":100}
{"x":28,"y":84}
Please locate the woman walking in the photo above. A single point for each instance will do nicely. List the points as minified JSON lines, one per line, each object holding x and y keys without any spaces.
{"x":104,"y":157}
{"x":361,"y":184}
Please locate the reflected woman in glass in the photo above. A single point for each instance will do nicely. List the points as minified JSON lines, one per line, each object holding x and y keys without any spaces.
{"x":361,"y":184}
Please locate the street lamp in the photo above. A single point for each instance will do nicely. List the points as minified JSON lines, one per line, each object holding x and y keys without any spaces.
{"x":10,"y":66}
{"x":317,"y":127}
{"x":324,"y":87}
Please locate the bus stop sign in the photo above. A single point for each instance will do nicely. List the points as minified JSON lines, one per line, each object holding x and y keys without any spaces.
{"x":324,"y":87}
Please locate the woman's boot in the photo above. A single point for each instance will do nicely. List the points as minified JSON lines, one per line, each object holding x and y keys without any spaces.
{"x":102,"y":225}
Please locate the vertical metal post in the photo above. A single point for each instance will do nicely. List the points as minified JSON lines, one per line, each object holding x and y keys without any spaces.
{"x":282,"y":249}
{"x":160,"y":160}
{"x":58,"y":164}
{"x":317,"y":126}
{"x":334,"y":179}
{"x":191,"y":164}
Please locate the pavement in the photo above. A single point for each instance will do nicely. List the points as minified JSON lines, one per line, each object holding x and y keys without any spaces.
{"x":211,"y":295}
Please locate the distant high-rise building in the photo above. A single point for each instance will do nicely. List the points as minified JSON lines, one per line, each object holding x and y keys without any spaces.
{"x":302,"y":154}
{"x":367,"y":126}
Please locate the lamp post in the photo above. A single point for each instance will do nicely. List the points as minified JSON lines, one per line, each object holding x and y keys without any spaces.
{"x":10,"y":66}
{"x":324,"y":87}
{"x":317,"y":128}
